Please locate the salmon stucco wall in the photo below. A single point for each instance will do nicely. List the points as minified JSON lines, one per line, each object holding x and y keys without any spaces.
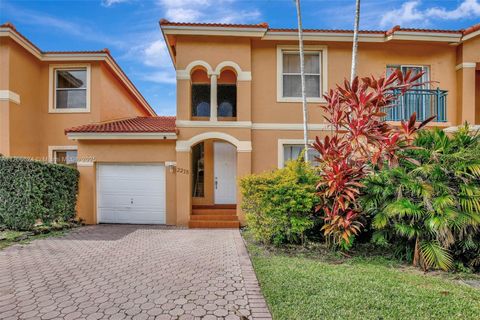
{"x":122,"y":151}
{"x":32,"y":128}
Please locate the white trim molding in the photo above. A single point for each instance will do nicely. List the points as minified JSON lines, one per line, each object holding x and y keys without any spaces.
{"x":213,"y":31}
{"x":323,"y":51}
{"x":465,"y":65}
{"x":471,"y":35}
{"x":121,"y":136}
{"x":52,"y":69}
{"x":213,"y":124}
{"x":7,"y":95}
{"x":52,"y":149}
{"x":291,"y":126}
{"x":186,"y":73}
{"x":85,"y":164}
{"x":186,"y":145}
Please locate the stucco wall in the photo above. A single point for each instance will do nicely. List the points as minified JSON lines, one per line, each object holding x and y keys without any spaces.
{"x":118,"y":151}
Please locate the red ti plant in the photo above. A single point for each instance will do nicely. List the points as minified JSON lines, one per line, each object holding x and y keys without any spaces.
{"x":361,"y":138}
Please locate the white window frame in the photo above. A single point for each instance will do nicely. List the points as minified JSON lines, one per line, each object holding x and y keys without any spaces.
{"x":52,"y":85}
{"x":323,"y":72}
{"x":53,"y":149}
{"x":281,"y":150}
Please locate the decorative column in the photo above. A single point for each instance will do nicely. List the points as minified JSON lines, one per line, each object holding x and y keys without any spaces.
{"x":183,"y":186}
{"x":466,"y":92}
{"x":213,"y":97}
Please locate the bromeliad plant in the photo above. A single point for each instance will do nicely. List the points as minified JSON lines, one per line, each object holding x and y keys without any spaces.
{"x":361,"y":137}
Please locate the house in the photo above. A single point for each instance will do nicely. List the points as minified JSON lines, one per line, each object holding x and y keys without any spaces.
{"x":238,"y":111}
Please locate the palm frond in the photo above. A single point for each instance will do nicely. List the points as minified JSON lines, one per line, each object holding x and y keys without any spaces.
{"x":434,"y":255}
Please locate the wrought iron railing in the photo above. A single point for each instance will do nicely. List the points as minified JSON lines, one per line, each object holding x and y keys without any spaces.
{"x":425,"y":102}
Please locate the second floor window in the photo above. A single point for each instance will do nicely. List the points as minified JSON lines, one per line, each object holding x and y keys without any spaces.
{"x":291,"y":78}
{"x":71,"y":88}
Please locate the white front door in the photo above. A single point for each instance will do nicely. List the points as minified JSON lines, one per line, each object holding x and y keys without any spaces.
{"x":131,"y":193}
{"x":225,"y":173}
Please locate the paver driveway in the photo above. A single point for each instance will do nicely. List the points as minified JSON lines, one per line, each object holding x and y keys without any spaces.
{"x":131,"y":272}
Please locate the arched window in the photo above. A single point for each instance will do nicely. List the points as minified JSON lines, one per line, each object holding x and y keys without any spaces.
{"x":200,"y":92}
{"x":227,"y":94}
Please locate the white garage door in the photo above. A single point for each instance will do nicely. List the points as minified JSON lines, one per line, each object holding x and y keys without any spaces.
{"x":131,"y":193}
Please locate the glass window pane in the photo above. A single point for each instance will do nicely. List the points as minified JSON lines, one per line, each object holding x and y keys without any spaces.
{"x":291,"y":63}
{"x":292,"y":86}
{"x":227,"y":100}
{"x":71,"y":79}
{"x":67,"y":157}
{"x":312,"y":63}
{"x":293,"y":151}
{"x":67,"y":99}
{"x":200,"y":100}
{"x":312,"y":86}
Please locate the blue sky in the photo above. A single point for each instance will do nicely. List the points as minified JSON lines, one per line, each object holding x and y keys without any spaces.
{"x":129,"y":28}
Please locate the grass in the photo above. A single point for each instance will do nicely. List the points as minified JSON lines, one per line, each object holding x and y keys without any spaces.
{"x":310,"y":286}
{"x":9,"y":237}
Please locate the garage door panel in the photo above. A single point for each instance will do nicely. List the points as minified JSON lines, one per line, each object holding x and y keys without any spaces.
{"x":131,"y":193}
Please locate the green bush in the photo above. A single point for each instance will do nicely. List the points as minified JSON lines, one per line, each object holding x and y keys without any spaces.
{"x":431,"y":209}
{"x":279,"y":205}
{"x":33,"y":190}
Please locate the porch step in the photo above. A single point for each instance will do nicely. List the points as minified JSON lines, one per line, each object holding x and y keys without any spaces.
{"x":217,"y":216}
{"x":205,"y":211}
{"x":214,"y":206}
{"x":213,"y":224}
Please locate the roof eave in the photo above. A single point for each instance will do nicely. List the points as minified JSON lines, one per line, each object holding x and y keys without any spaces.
{"x":121,"y":135}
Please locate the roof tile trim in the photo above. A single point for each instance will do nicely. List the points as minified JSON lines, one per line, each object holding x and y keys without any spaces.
{"x":465,"y":31}
{"x":160,"y":124}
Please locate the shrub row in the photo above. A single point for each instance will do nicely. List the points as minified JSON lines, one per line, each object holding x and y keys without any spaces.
{"x":279,"y":205}
{"x":34,"y":190}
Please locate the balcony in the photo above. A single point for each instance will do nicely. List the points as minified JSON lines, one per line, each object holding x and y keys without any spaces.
{"x":425,"y":102}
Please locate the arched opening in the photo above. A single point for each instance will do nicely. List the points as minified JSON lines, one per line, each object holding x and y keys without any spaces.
{"x":227,"y":95}
{"x":200,"y":93}
{"x":214,"y":163}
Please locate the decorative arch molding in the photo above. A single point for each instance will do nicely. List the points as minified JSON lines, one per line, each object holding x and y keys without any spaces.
{"x":241,"y":75}
{"x":186,"y":145}
{"x":186,"y":73}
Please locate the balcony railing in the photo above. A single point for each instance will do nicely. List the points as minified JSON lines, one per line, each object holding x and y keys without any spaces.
{"x":425,"y":102}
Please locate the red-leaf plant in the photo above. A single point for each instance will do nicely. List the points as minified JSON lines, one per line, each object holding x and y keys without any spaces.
{"x":361,"y":138}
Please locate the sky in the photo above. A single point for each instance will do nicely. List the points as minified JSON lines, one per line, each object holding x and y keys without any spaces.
{"x":129,"y":28}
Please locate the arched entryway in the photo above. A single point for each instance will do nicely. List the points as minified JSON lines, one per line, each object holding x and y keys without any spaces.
{"x":216,"y":161}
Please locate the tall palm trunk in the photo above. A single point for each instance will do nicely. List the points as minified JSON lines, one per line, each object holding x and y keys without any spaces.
{"x":302,"y":76}
{"x":355,"y":41}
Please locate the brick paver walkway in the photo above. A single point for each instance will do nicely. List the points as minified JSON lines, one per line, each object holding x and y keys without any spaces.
{"x":131,"y":272}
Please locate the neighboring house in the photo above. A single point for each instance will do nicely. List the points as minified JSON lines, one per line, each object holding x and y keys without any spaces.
{"x":239,"y":112}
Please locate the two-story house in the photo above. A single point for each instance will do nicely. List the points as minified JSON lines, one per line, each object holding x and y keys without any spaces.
{"x":239,"y":112}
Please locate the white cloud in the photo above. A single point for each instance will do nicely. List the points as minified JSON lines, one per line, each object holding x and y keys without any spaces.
{"x":156,"y":54}
{"x":467,"y":9}
{"x":109,"y":3}
{"x":207,"y":11}
{"x":410,"y":13}
{"x":163,"y":76}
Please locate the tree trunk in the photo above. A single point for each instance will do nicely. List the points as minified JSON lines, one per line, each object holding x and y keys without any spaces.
{"x":355,"y":41}
{"x":302,"y":76}
{"x":416,"y":253}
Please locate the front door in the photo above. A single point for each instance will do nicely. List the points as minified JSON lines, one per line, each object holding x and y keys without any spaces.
{"x":225,"y":173}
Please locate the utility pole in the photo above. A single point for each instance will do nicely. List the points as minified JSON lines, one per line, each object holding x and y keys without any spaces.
{"x":302,"y":76}
{"x":355,"y":41}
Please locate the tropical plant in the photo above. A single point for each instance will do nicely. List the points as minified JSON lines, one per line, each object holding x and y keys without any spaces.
{"x":360,"y":137}
{"x":432,"y":208}
{"x":279,"y":205}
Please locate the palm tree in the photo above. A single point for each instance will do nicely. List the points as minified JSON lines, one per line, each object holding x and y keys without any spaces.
{"x":302,"y":76}
{"x":355,"y":41}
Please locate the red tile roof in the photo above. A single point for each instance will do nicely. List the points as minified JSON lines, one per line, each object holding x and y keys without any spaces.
{"x":131,"y":125}
{"x":164,"y":22}
{"x":466,"y":31}
{"x":471,"y":29}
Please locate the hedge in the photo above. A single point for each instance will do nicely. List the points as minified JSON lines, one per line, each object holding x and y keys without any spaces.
{"x":33,"y":190}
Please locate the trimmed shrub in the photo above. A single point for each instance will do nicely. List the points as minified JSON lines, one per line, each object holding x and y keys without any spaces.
{"x":34,"y":190}
{"x":279,"y":205}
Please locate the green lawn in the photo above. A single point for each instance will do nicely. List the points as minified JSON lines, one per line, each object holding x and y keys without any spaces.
{"x":300,"y":287}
